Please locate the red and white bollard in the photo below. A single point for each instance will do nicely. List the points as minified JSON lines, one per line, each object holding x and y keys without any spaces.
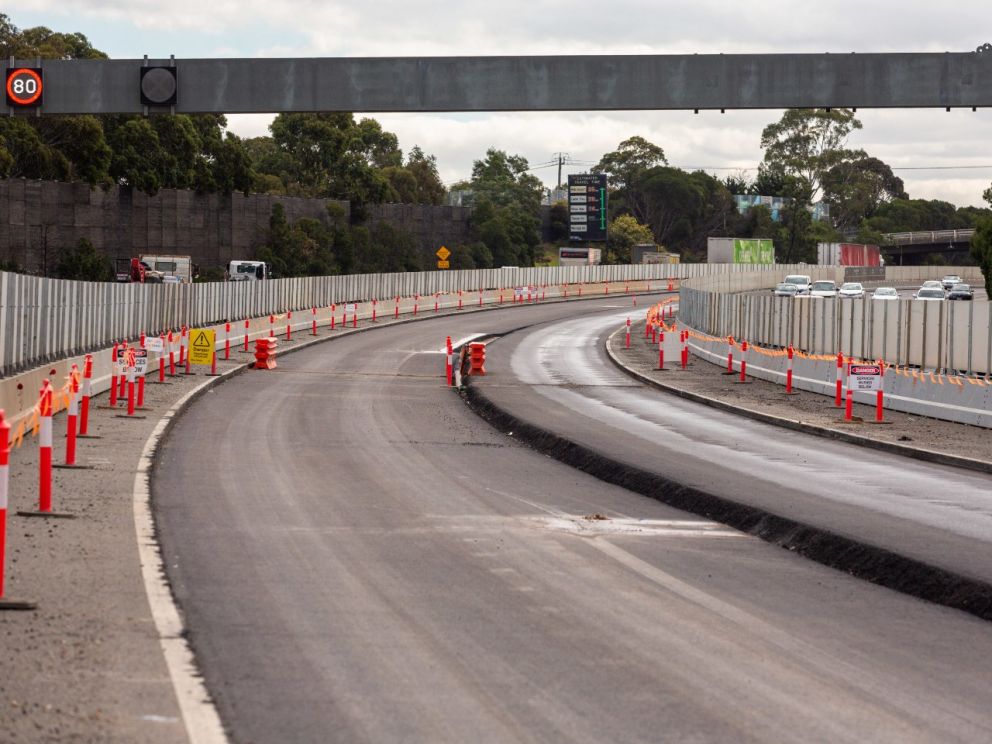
{"x":449,"y":362}
{"x":172,"y":355}
{"x":334,"y":309}
{"x":730,"y":356}
{"x":123,"y":390}
{"x":396,"y":309}
{"x":183,"y":353}
{"x":313,"y":324}
{"x":6,"y":604}
{"x":374,"y":303}
{"x":840,"y":380}
{"x":788,"y":371}
{"x":272,"y":329}
{"x":161,"y":360}
{"x":289,"y":325}
{"x":480,"y":298}
{"x":72,"y":417}
{"x":84,"y":408}
{"x":131,"y":388}
{"x":627,"y":342}
{"x":849,"y":399}
{"x":113,"y":375}
{"x":436,"y":301}
{"x":354,"y":316}
{"x":661,"y":350}
{"x":45,"y":449}
{"x":880,"y":395}
{"x":743,"y":362}
{"x":416,"y":303}
{"x":247,"y":326}
{"x":227,"y":340}
{"x":141,"y":382}
{"x":459,"y":299}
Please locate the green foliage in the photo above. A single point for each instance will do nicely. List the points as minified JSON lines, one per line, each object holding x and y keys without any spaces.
{"x":682,"y":209}
{"x":211,"y":274}
{"x":856,"y":189}
{"x":625,"y":232}
{"x":559,"y":222}
{"x":330,"y":155}
{"x":506,"y":215}
{"x":632,"y":157}
{"x":981,"y":250}
{"x":84,"y":262}
{"x":807,"y":143}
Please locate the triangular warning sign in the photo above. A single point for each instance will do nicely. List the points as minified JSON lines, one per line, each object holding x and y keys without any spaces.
{"x":201,"y":340}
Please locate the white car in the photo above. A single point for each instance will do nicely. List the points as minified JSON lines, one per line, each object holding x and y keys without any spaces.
{"x":823,"y":288}
{"x":885,"y":293}
{"x":931,"y":284}
{"x":803,"y":281}
{"x":851,"y":290}
{"x":930,"y":293}
{"x":949,"y":281}
{"x":786,"y":290}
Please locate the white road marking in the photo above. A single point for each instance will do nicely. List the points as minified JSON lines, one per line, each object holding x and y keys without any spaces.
{"x":462,"y":341}
{"x":200,"y":717}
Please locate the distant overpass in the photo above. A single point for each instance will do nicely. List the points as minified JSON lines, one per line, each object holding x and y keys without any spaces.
{"x":915,"y":245}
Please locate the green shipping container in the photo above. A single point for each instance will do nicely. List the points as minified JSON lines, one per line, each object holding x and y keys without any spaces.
{"x":753,"y":251}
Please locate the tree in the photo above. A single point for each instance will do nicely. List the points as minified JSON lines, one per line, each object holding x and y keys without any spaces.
{"x":624,"y":233}
{"x":981,"y":250}
{"x":855,"y":189}
{"x":807,"y":143}
{"x":506,"y":212}
{"x":632,"y":157}
{"x":330,"y":155}
{"x":84,"y":262}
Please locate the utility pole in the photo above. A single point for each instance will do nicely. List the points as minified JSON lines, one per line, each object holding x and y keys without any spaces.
{"x":563,"y":157}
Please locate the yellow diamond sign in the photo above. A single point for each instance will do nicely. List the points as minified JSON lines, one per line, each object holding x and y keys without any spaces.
{"x":443,"y":253}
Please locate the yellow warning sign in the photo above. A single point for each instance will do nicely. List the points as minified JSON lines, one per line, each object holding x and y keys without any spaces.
{"x":443,"y":264}
{"x":201,"y":347}
{"x":444,"y":254}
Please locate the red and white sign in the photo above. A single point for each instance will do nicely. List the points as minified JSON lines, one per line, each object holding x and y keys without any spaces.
{"x":864,"y":376}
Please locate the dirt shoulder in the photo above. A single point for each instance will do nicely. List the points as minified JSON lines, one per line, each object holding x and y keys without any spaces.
{"x":915,"y":436}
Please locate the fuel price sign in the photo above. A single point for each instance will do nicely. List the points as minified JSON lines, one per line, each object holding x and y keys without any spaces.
{"x":24,"y":87}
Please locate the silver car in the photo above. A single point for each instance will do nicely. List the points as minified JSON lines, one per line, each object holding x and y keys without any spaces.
{"x":823,"y":288}
{"x":851,"y":290}
{"x":786,"y":290}
{"x":885,"y":293}
{"x":930,"y":293}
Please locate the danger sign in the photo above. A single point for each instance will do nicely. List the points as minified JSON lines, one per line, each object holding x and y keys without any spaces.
{"x":864,"y":376}
{"x":201,"y":348}
{"x":140,"y":361}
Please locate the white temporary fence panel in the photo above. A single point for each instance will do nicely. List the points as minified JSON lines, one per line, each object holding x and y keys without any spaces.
{"x":953,"y":336}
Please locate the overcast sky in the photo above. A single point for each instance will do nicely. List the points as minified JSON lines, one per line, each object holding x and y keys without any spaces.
{"x":718,"y":143}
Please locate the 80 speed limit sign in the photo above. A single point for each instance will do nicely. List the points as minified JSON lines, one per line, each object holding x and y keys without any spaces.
{"x":24,"y":87}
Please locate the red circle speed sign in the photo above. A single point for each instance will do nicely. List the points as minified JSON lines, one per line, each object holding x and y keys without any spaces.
{"x":24,"y":87}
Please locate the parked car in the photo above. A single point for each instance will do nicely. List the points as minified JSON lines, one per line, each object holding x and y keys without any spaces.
{"x":930,"y":293}
{"x":961,"y":292}
{"x":851,"y":290}
{"x":786,"y":290}
{"x":803,"y":281}
{"x":949,"y":281}
{"x":823,"y":288}
{"x":885,"y":293}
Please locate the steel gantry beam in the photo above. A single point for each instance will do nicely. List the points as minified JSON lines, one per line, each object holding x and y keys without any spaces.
{"x":559,"y":83}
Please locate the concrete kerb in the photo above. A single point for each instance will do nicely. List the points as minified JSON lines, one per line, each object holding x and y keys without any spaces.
{"x":862,"y":560}
{"x":939,"y":458}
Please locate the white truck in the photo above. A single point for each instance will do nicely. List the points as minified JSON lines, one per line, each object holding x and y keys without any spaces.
{"x":170,"y":269}
{"x":247,"y":271}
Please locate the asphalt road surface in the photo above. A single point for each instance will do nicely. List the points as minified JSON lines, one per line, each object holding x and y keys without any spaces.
{"x":360,"y":558}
